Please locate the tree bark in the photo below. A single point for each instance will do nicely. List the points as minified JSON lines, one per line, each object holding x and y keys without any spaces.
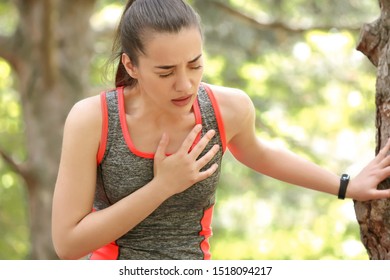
{"x":50,"y":53}
{"x":374,"y":216}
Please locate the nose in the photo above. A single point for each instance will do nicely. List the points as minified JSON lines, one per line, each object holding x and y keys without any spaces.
{"x":183,"y":82}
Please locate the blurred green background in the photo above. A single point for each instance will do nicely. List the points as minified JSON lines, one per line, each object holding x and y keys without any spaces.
{"x":314,"y":94}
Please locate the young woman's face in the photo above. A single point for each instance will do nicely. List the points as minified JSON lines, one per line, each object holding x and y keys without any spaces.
{"x":170,"y":71}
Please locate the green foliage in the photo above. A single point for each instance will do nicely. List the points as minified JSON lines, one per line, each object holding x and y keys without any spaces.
{"x":262,"y":218}
{"x":13,"y":202}
{"x":8,"y":17}
{"x":106,"y":18}
{"x":309,"y":13}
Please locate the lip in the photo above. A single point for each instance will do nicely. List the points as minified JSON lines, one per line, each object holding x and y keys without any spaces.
{"x":182,"y":101}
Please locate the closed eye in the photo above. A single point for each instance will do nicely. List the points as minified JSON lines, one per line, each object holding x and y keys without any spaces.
{"x":197,"y":67}
{"x":165,"y":75}
{"x":171,"y":73}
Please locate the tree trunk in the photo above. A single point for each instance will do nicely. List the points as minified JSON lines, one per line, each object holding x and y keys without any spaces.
{"x":374,"y":216}
{"x":50,"y":53}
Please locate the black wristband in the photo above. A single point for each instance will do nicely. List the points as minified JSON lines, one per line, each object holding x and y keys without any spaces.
{"x":344,"y":180}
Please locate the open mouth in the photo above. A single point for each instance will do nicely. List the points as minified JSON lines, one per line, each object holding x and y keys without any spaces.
{"x":182,"y":101}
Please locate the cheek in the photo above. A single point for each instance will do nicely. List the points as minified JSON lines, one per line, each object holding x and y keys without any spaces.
{"x":201,"y":74}
{"x":151,"y":80}
{"x":198,"y":77}
{"x":156,"y":86}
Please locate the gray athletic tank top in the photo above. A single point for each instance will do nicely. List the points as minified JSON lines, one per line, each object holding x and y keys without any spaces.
{"x":180,"y":227}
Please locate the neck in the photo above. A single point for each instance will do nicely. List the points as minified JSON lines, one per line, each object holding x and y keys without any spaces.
{"x":139,"y":106}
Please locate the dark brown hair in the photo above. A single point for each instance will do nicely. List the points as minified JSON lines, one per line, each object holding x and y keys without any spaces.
{"x":139,"y":20}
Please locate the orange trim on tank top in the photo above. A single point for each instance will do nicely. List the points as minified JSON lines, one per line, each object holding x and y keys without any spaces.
{"x":104,"y":134}
{"x":126,"y":133}
{"x":218,"y":116}
{"x":206,"y":232}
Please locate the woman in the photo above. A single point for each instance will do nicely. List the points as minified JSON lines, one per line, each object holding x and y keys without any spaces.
{"x":146,"y":156}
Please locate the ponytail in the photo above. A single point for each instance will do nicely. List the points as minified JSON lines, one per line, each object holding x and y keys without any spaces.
{"x":122,"y":78}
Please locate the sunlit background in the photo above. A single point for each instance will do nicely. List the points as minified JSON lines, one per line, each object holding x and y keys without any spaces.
{"x":314,"y":94}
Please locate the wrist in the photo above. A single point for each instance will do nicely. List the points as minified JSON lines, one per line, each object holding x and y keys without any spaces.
{"x":344,"y":181}
{"x":159,"y":189}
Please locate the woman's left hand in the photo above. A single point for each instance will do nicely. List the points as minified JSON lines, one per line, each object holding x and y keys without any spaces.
{"x":364,"y":186}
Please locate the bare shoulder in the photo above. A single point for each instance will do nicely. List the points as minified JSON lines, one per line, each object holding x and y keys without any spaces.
{"x":231,"y":94}
{"x":232,"y":99}
{"x":236,"y":108}
{"x":85,"y":118}
{"x":86,"y":110}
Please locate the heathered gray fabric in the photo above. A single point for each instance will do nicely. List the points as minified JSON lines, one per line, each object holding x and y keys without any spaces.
{"x":172,"y":230}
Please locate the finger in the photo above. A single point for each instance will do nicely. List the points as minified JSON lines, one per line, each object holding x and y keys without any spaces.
{"x":381,"y":194}
{"x":162,"y":147}
{"x":208,"y":172}
{"x":385,"y":162}
{"x":201,"y":162}
{"x":188,"y":142}
{"x":201,"y":145}
{"x":383,"y":174}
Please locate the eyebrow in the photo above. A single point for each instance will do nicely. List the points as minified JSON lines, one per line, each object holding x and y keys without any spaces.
{"x":166,"y":67}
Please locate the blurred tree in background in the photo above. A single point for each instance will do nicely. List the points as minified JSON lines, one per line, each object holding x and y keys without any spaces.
{"x":49,"y":49}
{"x":296,"y":59}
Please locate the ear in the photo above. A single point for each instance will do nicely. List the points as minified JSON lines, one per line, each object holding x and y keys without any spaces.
{"x":131,"y":69}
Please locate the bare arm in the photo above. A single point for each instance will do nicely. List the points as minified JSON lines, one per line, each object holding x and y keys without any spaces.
{"x":76,"y":230}
{"x":286,"y":166}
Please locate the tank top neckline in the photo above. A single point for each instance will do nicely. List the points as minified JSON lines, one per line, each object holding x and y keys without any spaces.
{"x":126,"y":132}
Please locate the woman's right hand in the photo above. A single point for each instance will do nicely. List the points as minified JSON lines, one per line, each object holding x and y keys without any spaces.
{"x":179,"y":171}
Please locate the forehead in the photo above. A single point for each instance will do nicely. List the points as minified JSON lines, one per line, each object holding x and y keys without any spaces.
{"x":173,"y":48}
